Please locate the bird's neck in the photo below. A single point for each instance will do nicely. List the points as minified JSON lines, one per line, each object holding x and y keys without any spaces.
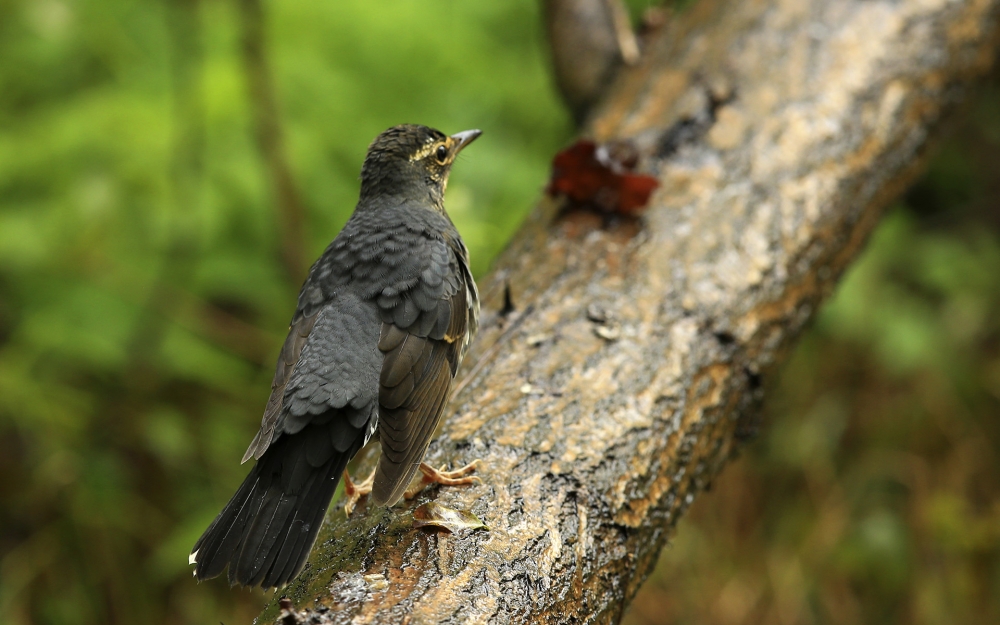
{"x":380,"y":194}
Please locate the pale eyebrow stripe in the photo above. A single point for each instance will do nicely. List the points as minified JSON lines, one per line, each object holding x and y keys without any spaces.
{"x":424,"y":151}
{"x":427,"y":149}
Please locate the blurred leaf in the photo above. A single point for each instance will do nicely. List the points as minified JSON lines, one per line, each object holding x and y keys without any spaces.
{"x":433,"y":515}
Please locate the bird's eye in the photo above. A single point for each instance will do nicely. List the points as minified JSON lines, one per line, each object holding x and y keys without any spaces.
{"x":441,"y":154}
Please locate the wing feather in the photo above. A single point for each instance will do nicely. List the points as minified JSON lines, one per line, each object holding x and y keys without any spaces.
{"x":415,"y":384}
{"x":406,"y":428}
{"x":298,"y":332}
{"x":427,"y":326}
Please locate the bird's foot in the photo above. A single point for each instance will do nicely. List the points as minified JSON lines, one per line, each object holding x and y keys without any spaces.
{"x":445,"y":478}
{"x":354,"y":492}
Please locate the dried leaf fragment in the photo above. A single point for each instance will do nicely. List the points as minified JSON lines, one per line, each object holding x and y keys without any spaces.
{"x":597,"y":313}
{"x":609,"y":332}
{"x":437,"y":516}
{"x":376,"y":582}
{"x":601,"y":177}
{"x":536,"y":340}
{"x":288,"y":614}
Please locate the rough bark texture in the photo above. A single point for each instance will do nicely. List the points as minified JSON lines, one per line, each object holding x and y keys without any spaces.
{"x":595,"y":445}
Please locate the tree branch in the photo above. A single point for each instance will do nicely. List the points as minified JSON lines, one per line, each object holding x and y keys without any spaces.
{"x":271,"y":142}
{"x":593,"y":448}
{"x":588,"y":41}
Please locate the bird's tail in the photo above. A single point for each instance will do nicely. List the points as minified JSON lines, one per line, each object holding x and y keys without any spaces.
{"x":267,"y":529}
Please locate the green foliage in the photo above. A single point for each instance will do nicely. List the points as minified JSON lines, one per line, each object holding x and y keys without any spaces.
{"x":142,"y":297}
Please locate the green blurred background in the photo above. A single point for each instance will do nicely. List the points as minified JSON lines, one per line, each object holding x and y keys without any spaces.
{"x":145,"y":286}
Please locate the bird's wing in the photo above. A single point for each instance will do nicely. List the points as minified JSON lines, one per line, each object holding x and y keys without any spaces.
{"x":322,"y":410}
{"x":326,"y":373}
{"x":425,"y":332}
{"x":298,"y":332}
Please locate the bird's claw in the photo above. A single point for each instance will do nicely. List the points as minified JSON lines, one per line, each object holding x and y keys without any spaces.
{"x":445,"y":478}
{"x":353,"y":492}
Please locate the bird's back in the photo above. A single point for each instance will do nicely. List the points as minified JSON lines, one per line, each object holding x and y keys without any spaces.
{"x":381,"y":325}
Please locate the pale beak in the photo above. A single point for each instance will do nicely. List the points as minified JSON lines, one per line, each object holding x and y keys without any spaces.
{"x":464,"y":138}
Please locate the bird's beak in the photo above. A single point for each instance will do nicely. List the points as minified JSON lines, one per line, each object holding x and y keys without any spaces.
{"x":464,"y":138}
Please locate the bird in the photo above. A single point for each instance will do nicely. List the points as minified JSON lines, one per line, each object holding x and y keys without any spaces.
{"x":382,"y":324}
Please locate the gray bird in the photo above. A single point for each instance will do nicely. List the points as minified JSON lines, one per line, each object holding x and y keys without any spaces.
{"x":382,"y":324}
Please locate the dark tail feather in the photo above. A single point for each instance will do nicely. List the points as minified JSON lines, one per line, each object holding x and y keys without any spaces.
{"x":267,"y":529}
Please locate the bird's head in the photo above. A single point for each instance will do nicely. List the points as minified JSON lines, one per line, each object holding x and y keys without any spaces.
{"x":412,"y":162}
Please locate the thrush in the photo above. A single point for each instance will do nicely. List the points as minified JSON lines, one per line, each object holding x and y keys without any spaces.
{"x":382,"y":324}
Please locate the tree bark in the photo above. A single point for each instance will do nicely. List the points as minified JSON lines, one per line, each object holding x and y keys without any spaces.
{"x":621,"y":383}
